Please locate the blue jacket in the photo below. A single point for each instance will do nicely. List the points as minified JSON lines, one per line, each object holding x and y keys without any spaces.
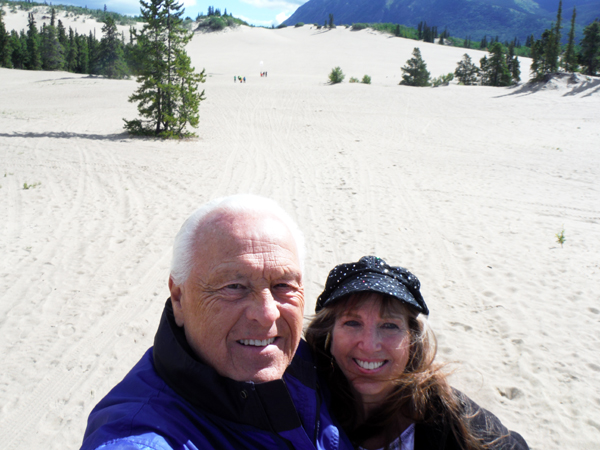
{"x":172,"y":401}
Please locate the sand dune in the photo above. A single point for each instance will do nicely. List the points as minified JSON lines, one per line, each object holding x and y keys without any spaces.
{"x":466,"y":186}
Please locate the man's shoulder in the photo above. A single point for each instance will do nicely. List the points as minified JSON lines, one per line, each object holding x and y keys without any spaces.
{"x":147,"y":441}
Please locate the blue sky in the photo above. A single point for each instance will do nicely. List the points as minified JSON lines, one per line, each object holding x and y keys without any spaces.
{"x":255,"y":12}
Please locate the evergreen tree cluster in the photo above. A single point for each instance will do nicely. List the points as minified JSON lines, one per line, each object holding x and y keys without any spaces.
{"x":548,"y":56}
{"x":502,"y":68}
{"x":54,"y":48}
{"x":212,"y":11}
{"x":427,"y":33}
{"x":168,"y":97}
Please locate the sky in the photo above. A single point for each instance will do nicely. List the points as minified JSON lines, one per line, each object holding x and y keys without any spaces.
{"x":255,"y":12}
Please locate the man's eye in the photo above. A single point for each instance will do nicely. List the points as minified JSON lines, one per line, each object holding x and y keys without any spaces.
{"x":235,"y":286}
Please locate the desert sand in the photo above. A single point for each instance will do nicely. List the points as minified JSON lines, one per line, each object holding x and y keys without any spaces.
{"x":465,"y":186}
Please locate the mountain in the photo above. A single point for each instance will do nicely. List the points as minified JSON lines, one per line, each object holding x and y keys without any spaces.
{"x":503,"y":18}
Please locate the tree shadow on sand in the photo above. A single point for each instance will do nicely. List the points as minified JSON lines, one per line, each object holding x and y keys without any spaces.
{"x":570,"y":84}
{"x":67,"y":135}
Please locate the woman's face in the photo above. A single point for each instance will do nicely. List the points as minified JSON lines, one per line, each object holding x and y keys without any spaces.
{"x":371,"y":350}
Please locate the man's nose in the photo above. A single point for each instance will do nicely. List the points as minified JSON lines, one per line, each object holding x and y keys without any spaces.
{"x":264,"y":309}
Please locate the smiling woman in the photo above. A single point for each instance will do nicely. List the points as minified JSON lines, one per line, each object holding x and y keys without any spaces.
{"x":378,"y":357}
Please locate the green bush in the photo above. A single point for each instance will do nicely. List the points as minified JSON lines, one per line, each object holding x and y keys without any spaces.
{"x":282,"y":25}
{"x":442,"y":80}
{"x":366,"y":79}
{"x":299,"y":24}
{"x":336,"y":75}
{"x":354,"y":80}
{"x":359,"y":26}
{"x":216,"y":23}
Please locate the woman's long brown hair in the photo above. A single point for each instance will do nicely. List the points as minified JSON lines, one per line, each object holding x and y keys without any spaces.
{"x":422,"y":393}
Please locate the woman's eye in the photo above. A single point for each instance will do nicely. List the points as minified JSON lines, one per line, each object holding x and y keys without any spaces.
{"x":351,"y":323}
{"x":390,"y":326}
{"x":235,"y":286}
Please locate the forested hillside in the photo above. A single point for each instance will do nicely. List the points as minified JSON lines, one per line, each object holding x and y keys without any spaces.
{"x":506,"y":19}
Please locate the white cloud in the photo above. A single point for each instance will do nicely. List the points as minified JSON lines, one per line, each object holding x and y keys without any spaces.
{"x":264,"y":23}
{"x":279,"y":18}
{"x":276,"y":4}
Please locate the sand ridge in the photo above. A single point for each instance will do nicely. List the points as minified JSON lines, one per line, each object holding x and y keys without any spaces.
{"x":465,"y":186}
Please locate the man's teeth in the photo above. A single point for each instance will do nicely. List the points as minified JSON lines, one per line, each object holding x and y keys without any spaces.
{"x":369,"y":365}
{"x":256,"y":342}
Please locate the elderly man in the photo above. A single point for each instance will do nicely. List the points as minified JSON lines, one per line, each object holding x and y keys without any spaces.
{"x":228,"y":369}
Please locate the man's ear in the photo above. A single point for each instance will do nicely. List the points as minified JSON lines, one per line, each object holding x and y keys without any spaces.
{"x":176,"y":296}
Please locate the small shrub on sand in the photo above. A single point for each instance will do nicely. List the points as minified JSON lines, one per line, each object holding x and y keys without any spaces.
{"x":560,"y":237}
{"x":299,"y":24}
{"x":366,"y":79}
{"x":442,"y":80}
{"x":354,"y":80}
{"x":359,"y":26}
{"x":336,"y":75}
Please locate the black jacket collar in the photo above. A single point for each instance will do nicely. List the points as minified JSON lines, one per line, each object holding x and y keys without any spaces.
{"x":267,"y":406}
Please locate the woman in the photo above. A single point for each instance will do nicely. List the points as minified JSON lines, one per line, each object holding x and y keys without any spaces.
{"x":378,"y":357}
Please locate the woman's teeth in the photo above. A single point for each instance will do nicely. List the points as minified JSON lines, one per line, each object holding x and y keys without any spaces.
{"x":369,"y":365}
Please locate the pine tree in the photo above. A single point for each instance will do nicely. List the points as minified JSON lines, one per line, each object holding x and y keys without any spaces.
{"x":331,"y":25}
{"x":52,"y":52}
{"x":466,"y":72}
{"x":569,"y":61}
{"x":5,"y":45}
{"x":34,"y":57}
{"x":512,"y":62}
{"x":540,"y":60}
{"x":494,"y":70}
{"x":552,"y":48}
{"x":111,"y":62}
{"x":71,"y":60}
{"x":167,"y":97}
{"x":83,"y":54}
{"x":590,"y":48}
{"x":415,"y":71}
{"x":18,"y":45}
{"x":484,"y":43}
{"x":93,"y":51}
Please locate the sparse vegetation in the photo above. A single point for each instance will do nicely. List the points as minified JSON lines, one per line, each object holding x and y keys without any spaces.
{"x":442,"y":80}
{"x":353,"y":80}
{"x":366,"y":79}
{"x":31,"y":186}
{"x":299,"y":25}
{"x":336,"y":75}
{"x":560,"y":237}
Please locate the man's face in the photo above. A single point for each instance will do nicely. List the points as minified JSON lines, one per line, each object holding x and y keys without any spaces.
{"x":242,"y":305}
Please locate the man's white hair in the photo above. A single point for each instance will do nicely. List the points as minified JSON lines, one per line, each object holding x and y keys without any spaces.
{"x":183,"y":247}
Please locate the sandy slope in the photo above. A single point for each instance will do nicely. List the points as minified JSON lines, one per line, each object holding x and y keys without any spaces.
{"x":466,"y":186}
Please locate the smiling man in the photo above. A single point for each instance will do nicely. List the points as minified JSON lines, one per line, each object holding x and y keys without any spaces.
{"x":228,"y":369}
